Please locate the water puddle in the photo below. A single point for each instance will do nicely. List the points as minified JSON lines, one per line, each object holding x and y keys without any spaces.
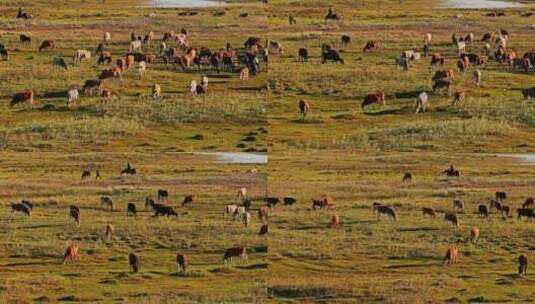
{"x":237,"y":157}
{"x":480,"y":4}
{"x":182,"y":3}
{"x":527,"y":158}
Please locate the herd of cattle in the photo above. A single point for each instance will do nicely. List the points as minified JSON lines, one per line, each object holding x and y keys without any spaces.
{"x":160,"y":206}
{"x":174,"y":48}
{"x":492,"y":46}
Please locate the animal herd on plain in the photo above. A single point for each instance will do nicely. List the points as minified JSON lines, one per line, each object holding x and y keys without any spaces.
{"x":175,"y":49}
{"x":160,"y":206}
{"x":469,"y":53}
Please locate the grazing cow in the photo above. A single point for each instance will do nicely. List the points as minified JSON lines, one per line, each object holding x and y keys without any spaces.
{"x":107,"y":37}
{"x":181,"y":262}
{"x":483,"y":211}
{"x":330,"y":54}
{"x":27,"y":203}
{"x":407,"y":178}
{"x":142,"y":67}
{"x":24,"y":15}
{"x":110,"y":73}
{"x":372,"y":45}
{"x":25,"y":39}
{"x":22,"y":97}
{"x":131,"y":209}
{"x":505,"y":210}
{"x":105,"y":94}
{"x":264,"y":213}
{"x":385,"y":210}
{"x":323,"y":203}
{"x":421,"y":102}
{"x":72,"y":96}
{"x":156,"y":91}
{"x":452,"y":219}
{"x":289,"y":201}
{"x":188,"y":199}
{"x":4,"y":54}
{"x":90,"y":85}
{"x":242,"y":193}
{"x":149,"y":203}
{"x":133,"y":260}
{"x":276,"y":46}
{"x":427,"y":211}
{"x":437,"y":58}
{"x":106,"y":202}
{"x":374,"y":98}
{"x":230,"y":209}
{"x":443,"y":84}
{"x":86,"y":174}
{"x":263,"y":230}
{"x":332,"y":15}
{"x":461,"y":65}
{"x":21,"y":207}
{"x":525,"y":213}
{"x":529,"y":93}
{"x":135,"y":46}
{"x":108,"y":233}
{"x":59,"y":62}
{"x":458,"y":99}
{"x":71,"y":253}
{"x":129,"y":170}
{"x":474,"y":234}
{"x":443,"y":74}
{"x":162,"y":194}
{"x":458,"y":204}
{"x":304,"y":109}
{"x":529,"y":202}
{"x":74,"y":214}
{"x":81,"y":55}
{"x":427,"y":38}
{"x":105,"y":56}
{"x":522,"y":264}
{"x":345,"y":39}
{"x":46,"y":45}
{"x":246,"y":218}
{"x":161,"y":210}
{"x":230,"y":253}
{"x":239,"y":213}
{"x":452,"y":255}
{"x":335,"y":221}
{"x":272,"y":201}
{"x":461,"y":47}
{"x":494,"y":204}
{"x":476,"y":77}
{"x":302,"y":55}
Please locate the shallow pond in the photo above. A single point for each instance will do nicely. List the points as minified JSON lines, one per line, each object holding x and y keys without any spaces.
{"x":182,"y":3}
{"x":237,"y":157}
{"x":484,"y":4}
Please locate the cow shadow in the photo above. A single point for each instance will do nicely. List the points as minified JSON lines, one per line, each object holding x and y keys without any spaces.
{"x":383,"y":112}
{"x":416,"y":229}
{"x":254,"y":266}
{"x":412,"y":265}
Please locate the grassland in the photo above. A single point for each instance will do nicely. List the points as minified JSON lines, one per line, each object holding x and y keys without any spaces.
{"x":231,"y":109}
{"x":32,"y":248}
{"x":360,"y":157}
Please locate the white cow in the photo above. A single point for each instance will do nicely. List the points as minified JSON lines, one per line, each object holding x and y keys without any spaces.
{"x":427,"y":38}
{"x":230,"y":209}
{"x":135,"y":46}
{"x":107,"y":37}
{"x":421,"y":102}
{"x":81,"y":55}
{"x":72,"y":96}
{"x":142,"y":67}
{"x":239,"y":212}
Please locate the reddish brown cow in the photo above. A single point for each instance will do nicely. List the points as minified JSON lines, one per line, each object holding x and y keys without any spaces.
{"x":181,"y":262}
{"x":22,"y":97}
{"x":437,"y":58}
{"x":372,"y":45}
{"x":235,"y":252}
{"x":188,"y":199}
{"x":374,"y":98}
{"x":304,"y":108}
{"x":20,"y":207}
{"x":529,"y":202}
{"x":323,"y":203}
{"x":46,"y":45}
{"x":70,"y":253}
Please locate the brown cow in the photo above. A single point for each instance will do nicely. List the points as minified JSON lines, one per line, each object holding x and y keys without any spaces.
{"x":188,"y":199}
{"x":335,"y":221}
{"x":443,"y":74}
{"x":437,"y":58}
{"x":428,"y":211}
{"x":370,"y":99}
{"x":304,"y":108}
{"x":386,"y":210}
{"x":529,"y":93}
{"x":46,"y":45}
{"x":263,"y":230}
{"x":264,"y":213}
{"x":70,"y":253}
{"x":105,"y":94}
{"x":74,"y":213}
{"x":235,"y":252}
{"x":110,"y":73}
{"x":181,"y":262}
{"x":452,"y":255}
{"x":130,"y":61}
{"x":324,"y":202}
{"x":451,"y":218}
{"x":529,"y":202}
{"x":458,"y":99}
{"x":22,"y":97}
{"x":20,"y":207}
{"x":91,"y":85}
{"x":109,"y":231}
{"x":522,"y":264}
{"x":105,"y":56}
{"x":372,"y":45}
{"x":407,"y":178}
{"x":474,"y":234}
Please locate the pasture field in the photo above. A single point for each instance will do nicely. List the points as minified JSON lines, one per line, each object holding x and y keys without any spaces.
{"x":175,"y":122}
{"x":32,"y":248}
{"x":359,"y":157}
